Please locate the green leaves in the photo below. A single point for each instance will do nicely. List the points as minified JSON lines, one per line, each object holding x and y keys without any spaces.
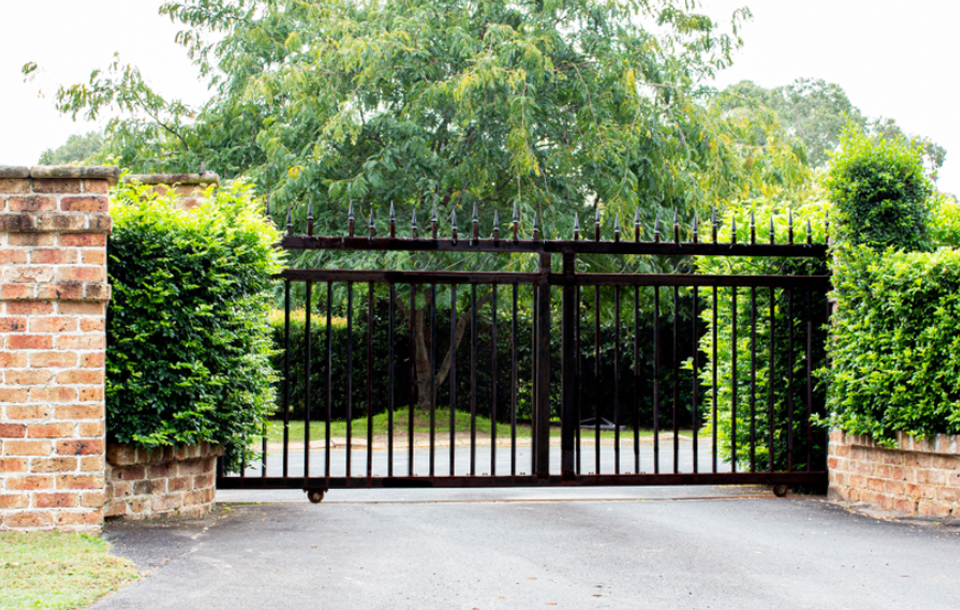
{"x":893,"y":342}
{"x":189,"y":349}
{"x":880,"y":192}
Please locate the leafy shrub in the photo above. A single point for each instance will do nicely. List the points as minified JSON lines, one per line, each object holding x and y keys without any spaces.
{"x":188,"y":357}
{"x":879,"y":191}
{"x":945,"y":221}
{"x":894,"y":343}
{"x":789,"y":368}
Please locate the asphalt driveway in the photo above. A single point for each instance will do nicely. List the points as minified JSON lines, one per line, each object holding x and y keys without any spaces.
{"x":738,"y":548}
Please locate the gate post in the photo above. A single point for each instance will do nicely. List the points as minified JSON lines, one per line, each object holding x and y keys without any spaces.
{"x":541,"y":404}
{"x":569,"y":375}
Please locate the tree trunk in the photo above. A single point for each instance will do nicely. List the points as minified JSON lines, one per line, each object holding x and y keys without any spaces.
{"x":426,"y":393}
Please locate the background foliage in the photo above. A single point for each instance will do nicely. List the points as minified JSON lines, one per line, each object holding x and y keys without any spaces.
{"x":188,"y":357}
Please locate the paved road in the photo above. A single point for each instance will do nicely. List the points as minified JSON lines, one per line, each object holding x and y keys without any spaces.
{"x":483,"y":456}
{"x":636,"y":549}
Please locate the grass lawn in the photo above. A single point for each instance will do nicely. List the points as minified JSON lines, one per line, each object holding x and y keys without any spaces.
{"x":50,"y":570}
{"x":421,"y":425}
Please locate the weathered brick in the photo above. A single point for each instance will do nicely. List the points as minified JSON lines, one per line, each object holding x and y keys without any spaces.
{"x":28,"y":520}
{"x":894,"y":488}
{"x":65,"y":291}
{"x":89,"y":273}
{"x":32,"y":203}
{"x":13,"y":395}
{"x":128,"y":473}
{"x":13,"y":256}
{"x":57,"y":186}
{"x":26,"y":412}
{"x":101,"y":187}
{"x":934,"y":508}
{"x":55,"y":464}
{"x":32,"y":239}
{"x":92,"y":463}
{"x":85,"y":203}
{"x":27,"y":448}
{"x":13,"y":431}
{"x":8,"y":465}
{"x":56,"y":500}
{"x":12,"y":501}
{"x":53,"y":359}
{"x":28,"y":376}
{"x":92,"y":324}
{"x":80,"y":447}
{"x":93,"y":256}
{"x":79,"y":482}
{"x":21,"y":342}
{"x":14,"y":186}
{"x":17,"y":291}
{"x":57,"y":430}
{"x":82,"y":240}
{"x":929,"y":475}
{"x":92,"y":499}
{"x":10,"y":360}
{"x":949,"y":494}
{"x":53,"y":394}
{"x":54,"y":256}
{"x":64,"y":519}
{"x":79,"y":411}
{"x":90,"y":341}
{"x":91,"y":394}
{"x":30,"y":308}
{"x":53,"y":324}
{"x":80,"y":377}
{"x":81,"y":309}
{"x":90,"y":429}
{"x":92,"y":361}
{"x":30,"y":483}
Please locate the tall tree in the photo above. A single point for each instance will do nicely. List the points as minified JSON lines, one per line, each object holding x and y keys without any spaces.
{"x":817,"y":112}
{"x":554,"y":106}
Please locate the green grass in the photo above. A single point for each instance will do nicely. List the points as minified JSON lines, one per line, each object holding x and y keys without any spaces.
{"x":53,"y":571}
{"x":421,"y":425}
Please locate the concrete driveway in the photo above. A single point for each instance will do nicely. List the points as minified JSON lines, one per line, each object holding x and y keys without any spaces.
{"x":674,"y":548}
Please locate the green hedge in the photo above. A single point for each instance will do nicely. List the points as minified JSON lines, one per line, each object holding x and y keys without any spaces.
{"x":879,"y":192}
{"x":188,"y":357}
{"x":784,"y":375}
{"x":895,"y":345}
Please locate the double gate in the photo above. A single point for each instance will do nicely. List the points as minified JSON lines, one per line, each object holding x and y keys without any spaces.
{"x":547,"y":375}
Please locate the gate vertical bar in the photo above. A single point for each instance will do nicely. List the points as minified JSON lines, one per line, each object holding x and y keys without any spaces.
{"x":733,"y":380}
{"x":596,"y":378}
{"x":453,"y":378}
{"x":413,"y":378}
{"x":349,"y":456}
{"x":676,"y":379}
{"x":569,"y":383}
{"x":391,"y":356}
{"x":771,"y":422}
{"x":286,"y":377}
{"x":369,"y":380}
{"x":433,"y":379}
{"x":616,"y":380}
{"x":493,"y":382}
{"x":309,"y":364}
{"x":473,"y":379}
{"x":656,"y":379}
{"x":753,"y":379}
{"x":695,"y":407}
{"x":326,"y":426}
{"x":513,"y":384}
{"x":542,"y":375}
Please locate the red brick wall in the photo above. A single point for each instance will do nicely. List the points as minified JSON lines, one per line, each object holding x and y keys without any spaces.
{"x":53,"y":294}
{"x":916,"y":477}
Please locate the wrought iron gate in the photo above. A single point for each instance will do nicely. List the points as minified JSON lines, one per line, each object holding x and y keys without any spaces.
{"x":592,"y":378}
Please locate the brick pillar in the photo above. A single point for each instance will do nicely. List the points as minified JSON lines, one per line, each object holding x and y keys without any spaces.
{"x":188,"y":187}
{"x":53,"y":294}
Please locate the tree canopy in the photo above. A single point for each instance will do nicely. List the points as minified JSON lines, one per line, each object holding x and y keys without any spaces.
{"x":817,"y":112}
{"x":549,"y":104}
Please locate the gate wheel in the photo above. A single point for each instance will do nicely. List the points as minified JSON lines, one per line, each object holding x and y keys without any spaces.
{"x":780,"y":491}
{"x":315,"y":495}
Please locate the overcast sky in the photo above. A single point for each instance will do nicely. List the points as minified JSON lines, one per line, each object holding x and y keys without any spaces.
{"x":893,"y":58}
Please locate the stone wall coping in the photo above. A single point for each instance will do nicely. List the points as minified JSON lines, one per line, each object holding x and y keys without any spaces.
{"x":128,"y":455}
{"x":171,"y":179}
{"x":110,"y":174}
{"x":942,"y":444}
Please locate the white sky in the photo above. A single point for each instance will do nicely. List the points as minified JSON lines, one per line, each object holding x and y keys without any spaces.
{"x":893,"y":58}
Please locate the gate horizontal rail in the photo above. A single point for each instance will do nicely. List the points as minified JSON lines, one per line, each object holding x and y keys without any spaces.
{"x":629,"y":385}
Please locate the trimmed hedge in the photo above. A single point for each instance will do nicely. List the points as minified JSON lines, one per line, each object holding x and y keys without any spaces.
{"x":895,"y":345}
{"x":879,"y":192}
{"x":188,"y":356}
